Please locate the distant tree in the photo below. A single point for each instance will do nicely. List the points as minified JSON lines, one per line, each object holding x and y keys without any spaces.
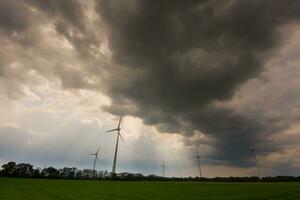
{"x":24,"y":170}
{"x":50,"y":172}
{"x":11,"y":169}
{"x":78,"y":174}
{"x":87,"y":174}
{"x":8,"y":169}
{"x":67,"y":172}
{"x":106,"y":174}
{"x":36,"y":173}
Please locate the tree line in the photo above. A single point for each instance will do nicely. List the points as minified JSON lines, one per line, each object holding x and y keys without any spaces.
{"x":24,"y":170}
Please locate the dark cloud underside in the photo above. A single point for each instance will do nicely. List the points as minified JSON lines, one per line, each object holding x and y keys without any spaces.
{"x":177,"y":58}
{"x":14,"y":16}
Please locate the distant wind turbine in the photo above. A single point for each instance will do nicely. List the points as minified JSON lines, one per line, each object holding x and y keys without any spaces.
{"x":199,"y":163}
{"x":118,"y":129}
{"x":163,"y":168}
{"x":96,"y":158}
{"x":256,"y":162}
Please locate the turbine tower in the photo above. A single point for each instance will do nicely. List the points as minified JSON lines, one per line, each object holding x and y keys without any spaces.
{"x":256,"y":162}
{"x":96,"y":158}
{"x":199,"y":163}
{"x":118,"y":129}
{"x":163,"y":168}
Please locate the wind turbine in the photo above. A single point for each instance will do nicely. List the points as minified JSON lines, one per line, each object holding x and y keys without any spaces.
{"x":163,"y":167}
{"x":256,"y":162}
{"x":118,"y":129}
{"x":199,"y":163}
{"x":96,"y":158}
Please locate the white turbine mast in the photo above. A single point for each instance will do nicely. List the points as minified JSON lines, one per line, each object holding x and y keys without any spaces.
{"x":163,"y":168}
{"x":256,"y":162}
{"x":199,"y":164}
{"x":118,"y":129}
{"x":96,"y":158}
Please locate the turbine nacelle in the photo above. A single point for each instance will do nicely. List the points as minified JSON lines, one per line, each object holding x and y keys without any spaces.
{"x":96,"y":158}
{"x":118,"y":129}
{"x":95,"y":154}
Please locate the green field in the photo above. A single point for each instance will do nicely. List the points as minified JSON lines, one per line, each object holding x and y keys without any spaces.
{"x":38,"y":189}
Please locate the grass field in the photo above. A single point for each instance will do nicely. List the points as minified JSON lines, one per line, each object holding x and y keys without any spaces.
{"x":39,"y":189}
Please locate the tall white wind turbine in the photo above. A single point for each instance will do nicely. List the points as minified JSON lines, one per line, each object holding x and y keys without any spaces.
{"x":163,"y":168}
{"x":118,"y":129}
{"x":256,"y":162}
{"x":96,"y":158}
{"x":199,"y":163}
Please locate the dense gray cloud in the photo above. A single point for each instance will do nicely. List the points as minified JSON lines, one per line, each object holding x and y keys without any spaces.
{"x":13,"y":16}
{"x":177,"y":59}
{"x":177,"y":65}
{"x":34,"y":35}
{"x":71,"y":22}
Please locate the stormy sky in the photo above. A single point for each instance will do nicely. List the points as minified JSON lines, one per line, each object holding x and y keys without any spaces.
{"x":219,"y":77}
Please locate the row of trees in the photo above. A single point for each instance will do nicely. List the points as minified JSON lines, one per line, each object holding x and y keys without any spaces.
{"x":25,"y":170}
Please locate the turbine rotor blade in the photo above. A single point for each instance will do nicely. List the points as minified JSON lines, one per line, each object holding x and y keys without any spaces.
{"x":98,"y":150}
{"x":121,"y":137}
{"x":116,"y":129}
{"x":120,"y":122}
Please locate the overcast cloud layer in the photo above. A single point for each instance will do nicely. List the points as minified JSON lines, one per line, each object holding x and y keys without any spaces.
{"x":179,"y":58}
{"x":223,"y":74}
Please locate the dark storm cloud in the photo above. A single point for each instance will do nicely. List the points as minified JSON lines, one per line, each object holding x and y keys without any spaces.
{"x":176,"y":64}
{"x":236,"y":133}
{"x":14,"y":16}
{"x":177,"y":58}
{"x":69,"y":18}
{"x":71,"y":22}
{"x":68,"y":10}
{"x":26,"y":27}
